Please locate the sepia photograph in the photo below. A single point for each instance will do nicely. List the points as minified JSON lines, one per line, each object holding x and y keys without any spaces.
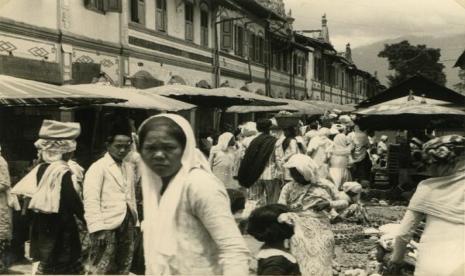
{"x":232,"y":137}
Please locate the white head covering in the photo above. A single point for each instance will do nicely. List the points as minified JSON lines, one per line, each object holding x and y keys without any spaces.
{"x":324,"y":131}
{"x":223,"y":141}
{"x":159,"y":225}
{"x":249,"y":129}
{"x":384,"y":138}
{"x":305,"y":166}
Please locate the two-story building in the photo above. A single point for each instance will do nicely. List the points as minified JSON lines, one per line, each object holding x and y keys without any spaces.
{"x":151,"y":42}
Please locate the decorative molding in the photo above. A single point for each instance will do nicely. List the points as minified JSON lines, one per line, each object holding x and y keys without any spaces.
{"x":84,"y":59}
{"x":11,"y":26}
{"x":38,"y":52}
{"x":168,"y":49}
{"x":107,"y":63}
{"x":94,"y":44}
{"x":140,"y":28}
{"x":136,"y":53}
{"x":6,"y":46}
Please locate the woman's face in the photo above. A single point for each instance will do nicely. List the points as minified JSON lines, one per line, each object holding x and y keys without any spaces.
{"x":162,"y":152}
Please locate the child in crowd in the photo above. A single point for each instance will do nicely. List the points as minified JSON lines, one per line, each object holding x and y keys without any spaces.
{"x":237,"y":200}
{"x":273,"y":257}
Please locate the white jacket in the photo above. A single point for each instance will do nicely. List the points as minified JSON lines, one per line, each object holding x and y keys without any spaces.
{"x":107,"y":193}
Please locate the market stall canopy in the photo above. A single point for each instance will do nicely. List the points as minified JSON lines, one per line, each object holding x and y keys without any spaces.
{"x":253,"y":108}
{"x":22,"y":92}
{"x":135,"y":98}
{"x":256,"y":99}
{"x":303,"y":107}
{"x":332,"y":106}
{"x":199,"y":96}
{"x":411,"y":114}
{"x":420,"y":86}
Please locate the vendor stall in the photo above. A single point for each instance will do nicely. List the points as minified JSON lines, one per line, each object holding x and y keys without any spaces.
{"x":24,"y":104}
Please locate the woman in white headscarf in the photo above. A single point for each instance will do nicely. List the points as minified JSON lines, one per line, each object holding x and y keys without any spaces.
{"x":188,"y":226}
{"x":339,"y":161}
{"x":311,"y":198}
{"x":318,"y":149}
{"x":223,"y":160}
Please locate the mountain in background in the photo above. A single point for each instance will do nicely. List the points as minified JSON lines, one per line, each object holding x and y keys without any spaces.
{"x":366,"y":57}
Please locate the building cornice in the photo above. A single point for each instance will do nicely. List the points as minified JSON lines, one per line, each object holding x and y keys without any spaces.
{"x":14,"y":27}
{"x":94,"y":44}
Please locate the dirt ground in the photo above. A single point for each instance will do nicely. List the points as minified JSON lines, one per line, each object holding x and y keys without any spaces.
{"x":351,"y":252}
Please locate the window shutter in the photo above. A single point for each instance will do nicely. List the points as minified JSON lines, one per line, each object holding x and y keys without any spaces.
{"x":245,"y":48}
{"x":113,"y":5}
{"x":239,"y":40}
{"x":134,"y":11}
{"x":226,"y":35}
{"x":141,"y":11}
{"x":189,"y":31}
{"x":251,"y":42}
{"x":257,"y":48}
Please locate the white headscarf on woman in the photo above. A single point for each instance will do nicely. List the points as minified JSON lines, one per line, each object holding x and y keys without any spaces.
{"x":223,"y":142}
{"x":305,"y":166}
{"x":159,"y":219}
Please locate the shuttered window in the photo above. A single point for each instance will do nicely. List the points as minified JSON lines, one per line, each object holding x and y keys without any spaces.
{"x":204,"y":27}
{"x":189,"y":21}
{"x":226,"y":35}
{"x":104,"y":5}
{"x":161,"y":16}
{"x":239,"y":40}
{"x":251,"y":46}
{"x":138,"y":11}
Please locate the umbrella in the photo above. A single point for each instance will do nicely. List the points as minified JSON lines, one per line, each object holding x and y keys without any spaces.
{"x":411,"y":114}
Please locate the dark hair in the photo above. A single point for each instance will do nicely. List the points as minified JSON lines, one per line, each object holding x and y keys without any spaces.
{"x":289,"y":133}
{"x":119,"y":127}
{"x":263,"y":224}
{"x":313,"y":125}
{"x":237,"y":199}
{"x":237,"y":131}
{"x":172,"y":128}
{"x":264,"y":125}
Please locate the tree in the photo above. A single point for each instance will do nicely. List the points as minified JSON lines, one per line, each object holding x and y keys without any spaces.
{"x":408,"y":60}
{"x":461,"y":85}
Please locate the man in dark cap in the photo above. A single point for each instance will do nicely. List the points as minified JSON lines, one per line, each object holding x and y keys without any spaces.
{"x":110,"y":205}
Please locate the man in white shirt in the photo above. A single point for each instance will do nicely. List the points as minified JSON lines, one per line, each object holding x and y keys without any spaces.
{"x":110,"y":206}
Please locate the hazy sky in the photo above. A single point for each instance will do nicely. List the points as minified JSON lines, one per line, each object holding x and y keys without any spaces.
{"x":365,"y":21}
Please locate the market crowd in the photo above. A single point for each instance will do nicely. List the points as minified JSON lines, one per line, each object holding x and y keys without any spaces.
{"x":155,"y":203}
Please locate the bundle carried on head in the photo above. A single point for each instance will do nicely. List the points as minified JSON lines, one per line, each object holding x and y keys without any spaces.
{"x":57,"y":138}
{"x":286,"y":119}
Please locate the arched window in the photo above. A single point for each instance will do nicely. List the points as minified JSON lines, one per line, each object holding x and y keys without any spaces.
{"x":161,"y":16}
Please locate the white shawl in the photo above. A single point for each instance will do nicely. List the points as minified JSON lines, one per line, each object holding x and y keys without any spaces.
{"x":159,"y":225}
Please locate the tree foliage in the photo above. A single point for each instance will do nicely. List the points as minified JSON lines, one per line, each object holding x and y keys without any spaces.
{"x":407,"y":60}
{"x":461,"y":85}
